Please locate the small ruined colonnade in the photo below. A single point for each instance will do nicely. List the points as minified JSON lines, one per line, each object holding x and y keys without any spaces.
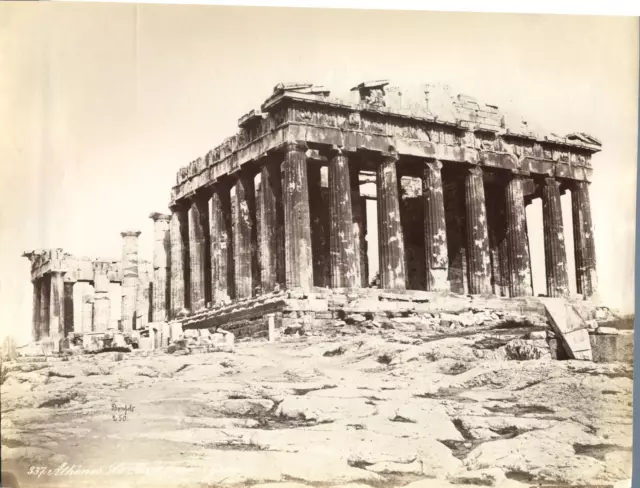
{"x":55,"y":274}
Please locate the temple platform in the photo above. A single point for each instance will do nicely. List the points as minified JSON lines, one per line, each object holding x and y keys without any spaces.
{"x":295,"y":309}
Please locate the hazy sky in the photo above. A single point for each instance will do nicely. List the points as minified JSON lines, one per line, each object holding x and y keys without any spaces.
{"x":100,"y":104}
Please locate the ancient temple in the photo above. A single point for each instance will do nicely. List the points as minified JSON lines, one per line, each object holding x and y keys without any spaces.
{"x":275,"y":221}
{"x":82,"y":295}
{"x":255,"y":216}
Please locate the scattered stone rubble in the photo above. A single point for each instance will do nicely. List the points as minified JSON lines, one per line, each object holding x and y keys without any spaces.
{"x":455,"y":398}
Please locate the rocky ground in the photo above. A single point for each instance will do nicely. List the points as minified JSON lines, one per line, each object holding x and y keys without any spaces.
{"x":369,"y":404}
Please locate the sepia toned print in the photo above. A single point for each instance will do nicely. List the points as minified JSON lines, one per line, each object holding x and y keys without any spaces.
{"x":335,"y":267}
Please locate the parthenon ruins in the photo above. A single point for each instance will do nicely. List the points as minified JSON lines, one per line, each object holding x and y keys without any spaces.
{"x":282,"y":206}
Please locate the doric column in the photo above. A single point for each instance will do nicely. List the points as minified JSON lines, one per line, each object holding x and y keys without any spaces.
{"x":161,"y":265}
{"x":36,"y":324}
{"x":56,"y":308}
{"x":319,"y":215}
{"x":87,"y":309}
{"x":197,"y":255}
{"x":342,"y":245}
{"x":69,"y":317}
{"x":221,"y":246}
{"x":129,"y":278}
{"x":555,"y":255}
{"x":390,"y":239}
{"x":177,"y":256}
{"x":101,"y":303}
{"x":359,"y":218}
{"x":245,"y":239}
{"x":45,"y":296}
{"x":454,"y":207}
{"x":519,"y":264}
{"x":271,"y":228}
{"x":297,"y":221}
{"x":496,"y":202}
{"x":435,"y":228}
{"x":585,"y":253}
{"x":479,"y":263}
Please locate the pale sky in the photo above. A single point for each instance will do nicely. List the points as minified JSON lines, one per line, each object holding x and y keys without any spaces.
{"x":100,"y":104}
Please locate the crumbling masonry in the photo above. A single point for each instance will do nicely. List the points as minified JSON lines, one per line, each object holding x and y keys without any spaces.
{"x":55,"y":276}
{"x":281,"y":206}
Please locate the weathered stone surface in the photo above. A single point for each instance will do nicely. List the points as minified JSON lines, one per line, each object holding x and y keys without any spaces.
{"x":271,"y":228}
{"x":129,"y":278}
{"x":547,"y":454}
{"x":319,"y":203}
{"x":86,"y":324}
{"x":359,"y":215}
{"x":297,"y":221}
{"x":221,"y":246}
{"x":612,"y":347}
{"x":45,"y":298}
{"x":101,"y":302}
{"x":460,"y":130}
{"x":519,"y":263}
{"x":607,"y":331}
{"x":198,"y":226}
{"x":584,"y":242}
{"x":407,"y":401}
{"x":178,"y":264}
{"x":479,"y":265}
{"x":161,"y":266}
{"x":390,"y":239}
{"x":454,"y":201}
{"x":498,"y":243}
{"x":35,"y":321}
{"x":322,"y":409}
{"x":554,"y":248}
{"x":245,"y":237}
{"x":435,"y":237}
{"x":570,"y":327}
{"x":56,"y":309}
{"x":344,"y":263}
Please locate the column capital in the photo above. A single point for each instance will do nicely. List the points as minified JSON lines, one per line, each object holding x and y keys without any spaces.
{"x":180,"y":205}
{"x":519,"y":173}
{"x":390,"y":157}
{"x":552,"y":182}
{"x":130,"y":233}
{"x":298,"y":146}
{"x":475,"y":170}
{"x":579,"y":184}
{"x":156,"y":216}
{"x":335,"y":151}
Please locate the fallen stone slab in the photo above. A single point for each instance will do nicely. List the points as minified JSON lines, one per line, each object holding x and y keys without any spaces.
{"x":570,"y":327}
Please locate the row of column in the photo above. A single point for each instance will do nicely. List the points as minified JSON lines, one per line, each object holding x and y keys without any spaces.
{"x":53,"y":297}
{"x":53,"y":305}
{"x":220,"y":232}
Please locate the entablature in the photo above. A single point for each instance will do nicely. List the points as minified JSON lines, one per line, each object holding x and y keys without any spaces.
{"x":469,"y":133}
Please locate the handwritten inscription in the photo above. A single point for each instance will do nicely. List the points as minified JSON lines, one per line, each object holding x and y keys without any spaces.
{"x":116,"y":469}
{"x":119,"y":412}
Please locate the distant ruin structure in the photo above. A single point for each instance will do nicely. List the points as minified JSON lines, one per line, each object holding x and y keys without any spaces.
{"x":60,"y":280}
